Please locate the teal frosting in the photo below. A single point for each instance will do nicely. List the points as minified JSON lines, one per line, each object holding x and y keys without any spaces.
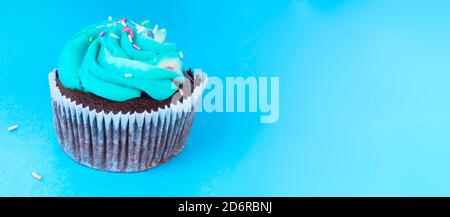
{"x":102,"y":60}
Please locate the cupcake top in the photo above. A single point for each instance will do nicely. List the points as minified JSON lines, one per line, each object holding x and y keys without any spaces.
{"x":120,"y":59}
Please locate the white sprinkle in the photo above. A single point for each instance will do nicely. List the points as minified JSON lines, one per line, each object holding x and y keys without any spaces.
{"x":11,"y":128}
{"x":109,"y":24}
{"x":129,"y":38}
{"x":155,"y":29}
{"x":100,"y":27}
{"x":114,"y":35}
{"x":36,"y":176}
{"x":181,"y":54}
{"x":162,"y":30}
{"x":110,"y":18}
{"x":123,"y":23}
{"x":128,"y":75}
{"x":141,"y":28}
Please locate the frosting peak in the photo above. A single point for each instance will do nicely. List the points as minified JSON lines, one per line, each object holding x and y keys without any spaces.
{"x":119,"y":60}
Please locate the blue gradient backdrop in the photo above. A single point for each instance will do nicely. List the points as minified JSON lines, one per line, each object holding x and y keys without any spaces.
{"x":364,"y":98}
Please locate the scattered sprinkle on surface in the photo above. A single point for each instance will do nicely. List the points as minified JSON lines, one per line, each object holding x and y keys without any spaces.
{"x":11,"y":128}
{"x":36,"y":176}
{"x":181,"y":54}
{"x":155,"y":28}
{"x":128,"y":75}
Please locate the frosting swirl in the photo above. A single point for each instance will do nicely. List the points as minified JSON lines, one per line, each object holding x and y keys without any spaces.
{"x":118,"y":60}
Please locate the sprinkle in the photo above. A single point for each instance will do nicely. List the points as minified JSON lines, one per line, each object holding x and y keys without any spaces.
{"x":102,"y":33}
{"x":109,"y":24}
{"x":11,"y":128}
{"x":140,"y":29}
{"x":36,"y":176}
{"x":124,"y":19}
{"x":123,"y":23}
{"x":170,"y":67}
{"x":130,"y":38}
{"x":91,"y":39}
{"x":145,"y":22}
{"x":128,"y":75}
{"x":181,"y":54}
{"x":155,"y":28}
{"x":100,"y":27}
{"x":109,"y":18}
{"x":150,"y":34}
{"x":114,"y":35}
{"x":136,"y":47}
{"x":129,"y":31}
{"x":125,"y":29}
{"x":163,"y":30}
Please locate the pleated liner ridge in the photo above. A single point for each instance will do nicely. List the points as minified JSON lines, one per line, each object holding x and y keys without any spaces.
{"x":122,"y":142}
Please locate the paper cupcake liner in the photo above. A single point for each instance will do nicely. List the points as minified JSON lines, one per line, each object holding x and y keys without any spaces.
{"x":119,"y":142}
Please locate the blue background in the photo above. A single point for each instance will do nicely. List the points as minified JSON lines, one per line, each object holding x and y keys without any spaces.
{"x":364,"y":98}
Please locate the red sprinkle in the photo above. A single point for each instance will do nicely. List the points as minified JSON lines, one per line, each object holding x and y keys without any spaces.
{"x":170,"y":67}
{"x":102,"y":33}
{"x":129,"y":31}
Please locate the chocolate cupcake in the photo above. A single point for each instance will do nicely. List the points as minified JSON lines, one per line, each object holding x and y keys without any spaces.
{"x":121,"y":101}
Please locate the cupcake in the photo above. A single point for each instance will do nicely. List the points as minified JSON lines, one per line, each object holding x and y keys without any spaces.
{"x":121,"y":99}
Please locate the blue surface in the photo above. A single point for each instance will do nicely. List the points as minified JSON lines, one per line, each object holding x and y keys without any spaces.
{"x":364,"y":99}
